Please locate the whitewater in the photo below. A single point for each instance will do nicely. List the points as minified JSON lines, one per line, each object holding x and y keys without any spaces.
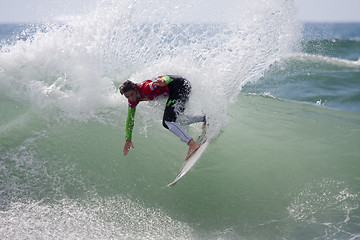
{"x":282,"y":104}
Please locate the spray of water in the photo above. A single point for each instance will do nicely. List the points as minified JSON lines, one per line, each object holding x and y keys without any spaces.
{"x":77,"y":64}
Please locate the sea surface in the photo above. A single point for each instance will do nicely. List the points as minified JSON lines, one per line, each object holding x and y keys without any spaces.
{"x":282,"y":100}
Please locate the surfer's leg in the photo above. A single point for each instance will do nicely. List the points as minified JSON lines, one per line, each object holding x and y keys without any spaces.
{"x":178,"y":130}
{"x":179,"y":94}
{"x":169,"y":122}
{"x":180,"y":89}
{"x":187,"y":120}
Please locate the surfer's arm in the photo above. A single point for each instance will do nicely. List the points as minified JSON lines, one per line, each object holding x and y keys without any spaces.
{"x":165,"y":80}
{"x":130,"y":123}
{"x":129,"y":128}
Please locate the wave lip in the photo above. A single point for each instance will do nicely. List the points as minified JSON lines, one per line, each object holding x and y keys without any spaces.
{"x":307,"y":57}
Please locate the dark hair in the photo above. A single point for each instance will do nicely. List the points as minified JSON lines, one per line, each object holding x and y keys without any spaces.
{"x":127,"y":86}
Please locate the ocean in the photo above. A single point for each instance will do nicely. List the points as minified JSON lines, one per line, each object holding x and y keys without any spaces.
{"x":282,"y":100}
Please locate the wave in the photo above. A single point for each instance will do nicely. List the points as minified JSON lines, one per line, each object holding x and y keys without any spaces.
{"x":339,"y":48}
{"x":77,"y":65}
{"x":319,"y":80}
{"x":330,"y":62}
{"x":268,"y":170}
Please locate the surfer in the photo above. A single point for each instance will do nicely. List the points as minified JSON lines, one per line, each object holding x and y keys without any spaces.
{"x":178,"y":90}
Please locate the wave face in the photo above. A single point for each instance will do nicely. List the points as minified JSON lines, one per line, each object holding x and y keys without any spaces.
{"x":326,"y":72}
{"x":276,"y":168}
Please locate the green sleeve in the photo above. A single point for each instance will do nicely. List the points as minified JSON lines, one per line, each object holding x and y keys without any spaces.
{"x":167,"y":79}
{"x":130,"y":123}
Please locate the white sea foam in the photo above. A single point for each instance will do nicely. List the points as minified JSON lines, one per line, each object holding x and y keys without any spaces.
{"x":111,"y":218}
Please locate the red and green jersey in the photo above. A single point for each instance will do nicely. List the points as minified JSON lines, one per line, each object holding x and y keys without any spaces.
{"x":146,"y":91}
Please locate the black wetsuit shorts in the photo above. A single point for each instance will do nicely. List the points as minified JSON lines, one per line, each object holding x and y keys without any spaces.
{"x":179,"y":94}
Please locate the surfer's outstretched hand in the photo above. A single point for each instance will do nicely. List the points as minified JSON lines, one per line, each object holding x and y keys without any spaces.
{"x":128,"y":145}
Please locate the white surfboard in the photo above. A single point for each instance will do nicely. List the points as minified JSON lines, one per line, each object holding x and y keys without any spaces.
{"x":188,"y":164}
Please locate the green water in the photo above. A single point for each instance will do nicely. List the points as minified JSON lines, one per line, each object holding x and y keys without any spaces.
{"x":278,"y":170}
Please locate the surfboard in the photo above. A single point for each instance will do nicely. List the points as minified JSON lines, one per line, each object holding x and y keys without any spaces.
{"x":188,"y":164}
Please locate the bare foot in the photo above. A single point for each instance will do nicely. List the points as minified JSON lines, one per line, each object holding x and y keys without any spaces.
{"x":193,"y":146}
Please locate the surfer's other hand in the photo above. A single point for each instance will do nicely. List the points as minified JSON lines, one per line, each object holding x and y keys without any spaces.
{"x":160,"y":83}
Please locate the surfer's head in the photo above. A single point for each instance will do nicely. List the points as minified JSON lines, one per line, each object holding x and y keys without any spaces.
{"x":127,"y":86}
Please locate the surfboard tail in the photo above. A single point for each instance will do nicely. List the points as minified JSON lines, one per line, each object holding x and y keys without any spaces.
{"x":171,"y":184}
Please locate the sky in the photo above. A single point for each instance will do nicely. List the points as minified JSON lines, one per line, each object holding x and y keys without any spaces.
{"x":29,"y":11}
{"x":25,"y":11}
{"x":328,"y":10}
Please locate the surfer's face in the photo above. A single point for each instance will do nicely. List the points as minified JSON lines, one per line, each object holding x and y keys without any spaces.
{"x":131,"y":95}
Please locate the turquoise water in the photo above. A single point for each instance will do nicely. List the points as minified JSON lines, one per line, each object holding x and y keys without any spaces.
{"x":282,"y":102}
